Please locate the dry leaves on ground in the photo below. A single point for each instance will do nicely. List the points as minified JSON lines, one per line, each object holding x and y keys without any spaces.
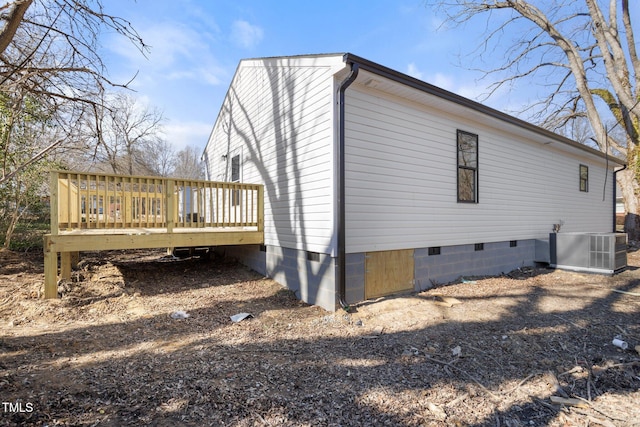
{"x":532,"y":348}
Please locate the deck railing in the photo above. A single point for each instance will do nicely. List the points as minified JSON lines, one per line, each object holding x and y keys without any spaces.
{"x":103,"y":201}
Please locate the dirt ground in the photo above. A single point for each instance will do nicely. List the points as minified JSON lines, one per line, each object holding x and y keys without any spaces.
{"x":531,"y":348}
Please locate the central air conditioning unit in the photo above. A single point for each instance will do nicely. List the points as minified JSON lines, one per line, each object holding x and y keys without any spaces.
{"x":590,"y":252}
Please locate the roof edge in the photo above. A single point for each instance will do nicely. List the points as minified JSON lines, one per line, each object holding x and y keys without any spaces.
{"x":405,"y":79}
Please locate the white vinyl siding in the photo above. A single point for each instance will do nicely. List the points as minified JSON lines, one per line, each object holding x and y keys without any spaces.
{"x":401,"y":180}
{"x":282,"y":114}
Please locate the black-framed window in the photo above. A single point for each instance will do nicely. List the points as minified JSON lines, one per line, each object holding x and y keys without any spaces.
{"x":584,"y":178}
{"x":235,"y":177}
{"x":467,"y":144}
{"x":235,"y":168}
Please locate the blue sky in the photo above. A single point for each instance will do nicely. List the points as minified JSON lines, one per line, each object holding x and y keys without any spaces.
{"x":196,"y":46}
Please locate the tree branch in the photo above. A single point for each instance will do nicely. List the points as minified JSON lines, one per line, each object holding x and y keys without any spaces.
{"x":32,"y":160}
{"x":631,"y":44}
{"x":18,"y":9}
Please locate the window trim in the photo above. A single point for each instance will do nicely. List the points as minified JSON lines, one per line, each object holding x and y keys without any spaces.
{"x":476,"y":198}
{"x":583,"y":181}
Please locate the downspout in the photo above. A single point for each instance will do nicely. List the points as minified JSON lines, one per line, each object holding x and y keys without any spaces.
{"x":341,"y":270}
{"x":615,"y":196}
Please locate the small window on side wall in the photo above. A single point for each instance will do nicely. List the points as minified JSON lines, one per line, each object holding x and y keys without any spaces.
{"x":235,"y":177}
{"x":467,"y":167}
{"x":235,"y":168}
{"x":584,"y":178}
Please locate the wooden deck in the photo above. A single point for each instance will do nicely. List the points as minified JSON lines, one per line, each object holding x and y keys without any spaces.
{"x":105,"y":212}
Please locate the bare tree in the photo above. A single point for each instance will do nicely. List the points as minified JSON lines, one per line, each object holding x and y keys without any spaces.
{"x":188,"y":164}
{"x":159,"y":158}
{"x":49,"y":51}
{"x":51,"y":78}
{"x":123,"y":131}
{"x":587,"y":57}
{"x":578,"y":130}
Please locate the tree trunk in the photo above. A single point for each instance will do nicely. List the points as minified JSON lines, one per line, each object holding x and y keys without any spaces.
{"x":629,"y":187}
{"x":16,"y":13}
{"x":11,"y":227}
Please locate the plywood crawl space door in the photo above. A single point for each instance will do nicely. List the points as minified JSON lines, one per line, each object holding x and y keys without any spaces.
{"x":388,"y":272}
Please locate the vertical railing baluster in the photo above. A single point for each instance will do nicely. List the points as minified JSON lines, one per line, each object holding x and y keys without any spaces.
{"x":104,"y":201}
{"x":78,"y":219}
{"x":70,"y":211}
{"x":216,"y":218}
{"x":170,"y":204}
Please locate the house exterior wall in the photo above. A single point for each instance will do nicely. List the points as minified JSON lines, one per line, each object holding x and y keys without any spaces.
{"x":401,"y":180}
{"x":278,"y":116}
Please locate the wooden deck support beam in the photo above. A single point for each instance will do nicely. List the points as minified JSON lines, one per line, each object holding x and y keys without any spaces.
{"x":92,"y":241}
{"x":65,"y":265}
{"x":50,"y":270}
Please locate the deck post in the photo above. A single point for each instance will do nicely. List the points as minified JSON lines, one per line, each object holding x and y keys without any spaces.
{"x":53,"y":203}
{"x":51,"y":257}
{"x":261,"y":208}
{"x":65,"y":265}
{"x":50,"y":270}
{"x":171,"y":205}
